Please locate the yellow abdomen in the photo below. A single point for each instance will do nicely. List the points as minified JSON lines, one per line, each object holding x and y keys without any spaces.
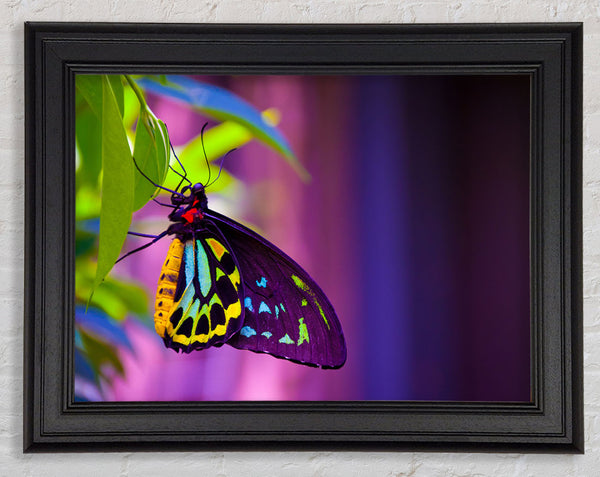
{"x":165,"y":292}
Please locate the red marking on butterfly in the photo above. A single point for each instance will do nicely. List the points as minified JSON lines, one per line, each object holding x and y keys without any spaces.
{"x":193,"y":213}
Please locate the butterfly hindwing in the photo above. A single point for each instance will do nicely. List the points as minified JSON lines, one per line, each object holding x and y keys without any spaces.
{"x":200,"y":295}
{"x":286,"y":314}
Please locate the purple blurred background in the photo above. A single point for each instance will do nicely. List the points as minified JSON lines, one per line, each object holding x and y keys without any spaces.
{"x":416,"y":225}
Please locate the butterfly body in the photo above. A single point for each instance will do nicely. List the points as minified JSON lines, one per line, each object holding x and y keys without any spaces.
{"x":223,"y":283}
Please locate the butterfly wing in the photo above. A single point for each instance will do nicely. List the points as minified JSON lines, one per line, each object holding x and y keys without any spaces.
{"x":199,"y":295}
{"x":286,"y":313}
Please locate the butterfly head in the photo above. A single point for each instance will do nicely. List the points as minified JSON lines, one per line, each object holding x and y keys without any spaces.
{"x":191,"y":201}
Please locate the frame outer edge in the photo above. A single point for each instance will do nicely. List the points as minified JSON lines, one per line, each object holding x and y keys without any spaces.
{"x":33,"y":402}
{"x":29,"y":415}
{"x":577,"y":238}
{"x":27,"y":418}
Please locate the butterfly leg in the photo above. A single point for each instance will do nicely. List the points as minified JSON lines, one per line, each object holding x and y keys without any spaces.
{"x":137,"y":234}
{"x":165,"y":205}
{"x":156,"y":239}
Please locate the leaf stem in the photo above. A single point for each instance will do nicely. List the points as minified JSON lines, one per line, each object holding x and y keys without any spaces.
{"x":138,"y":92}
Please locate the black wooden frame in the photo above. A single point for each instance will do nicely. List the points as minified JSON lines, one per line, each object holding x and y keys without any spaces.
{"x":551,"y":54}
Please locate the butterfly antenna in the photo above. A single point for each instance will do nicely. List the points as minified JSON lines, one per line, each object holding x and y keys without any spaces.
{"x":184,"y":175}
{"x":183,"y":178}
{"x":151,"y":181}
{"x":221,"y":167}
{"x":204,"y":150}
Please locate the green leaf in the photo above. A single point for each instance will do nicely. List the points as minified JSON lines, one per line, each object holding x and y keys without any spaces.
{"x":88,"y":126}
{"x":90,"y":87}
{"x":84,"y":242}
{"x":130,"y":295}
{"x":106,"y":300}
{"x":116,"y":84}
{"x":131,"y":108}
{"x":117,"y":185}
{"x":163,"y":149}
{"x":151,"y":153}
{"x":88,"y":133}
{"x":144,"y":153}
{"x":116,"y":297}
{"x":87,"y":203}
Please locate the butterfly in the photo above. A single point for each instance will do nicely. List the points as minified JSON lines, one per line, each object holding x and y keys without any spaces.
{"x":222,"y":283}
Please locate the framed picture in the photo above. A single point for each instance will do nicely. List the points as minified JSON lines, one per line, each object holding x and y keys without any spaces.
{"x":303,"y":236}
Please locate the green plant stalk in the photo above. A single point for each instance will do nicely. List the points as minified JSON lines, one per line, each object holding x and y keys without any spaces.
{"x":138,"y":92}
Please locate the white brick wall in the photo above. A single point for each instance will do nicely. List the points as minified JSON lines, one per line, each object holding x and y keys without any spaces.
{"x":13,"y":463}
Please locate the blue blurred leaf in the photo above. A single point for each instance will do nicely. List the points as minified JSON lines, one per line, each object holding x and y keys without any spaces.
{"x":83,"y":369}
{"x":101,"y":325}
{"x":222,"y":105}
{"x":91,"y":226}
{"x":86,"y":390}
{"x":78,"y":342}
{"x":101,"y":355}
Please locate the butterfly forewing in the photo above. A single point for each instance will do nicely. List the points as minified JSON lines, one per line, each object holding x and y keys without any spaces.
{"x":286,"y":314}
{"x":199,"y":296}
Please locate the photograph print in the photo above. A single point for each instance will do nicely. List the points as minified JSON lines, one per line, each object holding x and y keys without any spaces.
{"x":302,"y":238}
